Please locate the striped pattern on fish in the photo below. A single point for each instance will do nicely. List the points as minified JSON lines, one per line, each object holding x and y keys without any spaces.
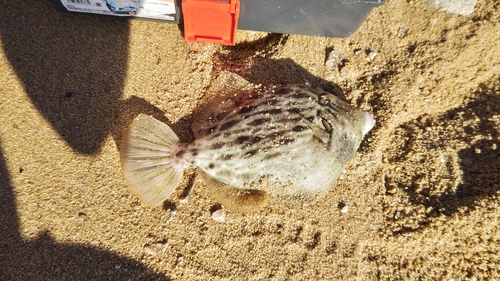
{"x":289,"y":141}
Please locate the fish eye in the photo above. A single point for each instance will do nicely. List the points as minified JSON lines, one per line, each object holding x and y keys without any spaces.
{"x":326,"y":99}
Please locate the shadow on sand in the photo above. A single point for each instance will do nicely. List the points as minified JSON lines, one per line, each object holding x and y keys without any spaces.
{"x":479,"y":163}
{"x":73,"y":69}
{"x":45,"y":259}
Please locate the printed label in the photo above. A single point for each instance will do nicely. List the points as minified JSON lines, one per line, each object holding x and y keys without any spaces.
{"x":154,"y":9}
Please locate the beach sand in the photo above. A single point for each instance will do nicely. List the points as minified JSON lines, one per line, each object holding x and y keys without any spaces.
{"x":420,"y":199}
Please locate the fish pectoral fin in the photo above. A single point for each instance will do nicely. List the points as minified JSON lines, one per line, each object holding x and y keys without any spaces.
{"x":223,"y":90}
{"x":235,"y":199}
{"x":319,"y":133}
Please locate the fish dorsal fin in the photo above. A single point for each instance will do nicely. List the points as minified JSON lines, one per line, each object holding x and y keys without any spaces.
{"x":223,"y":91}
{"x":235,"y":199}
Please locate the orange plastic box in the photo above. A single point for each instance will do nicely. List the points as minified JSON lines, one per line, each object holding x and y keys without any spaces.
{"x":211,"y":21}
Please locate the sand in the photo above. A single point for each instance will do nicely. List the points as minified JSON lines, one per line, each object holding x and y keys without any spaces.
{"x":418,"y":202}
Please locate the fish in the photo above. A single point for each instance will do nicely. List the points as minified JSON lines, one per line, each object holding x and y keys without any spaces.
{"x":251,"y":142}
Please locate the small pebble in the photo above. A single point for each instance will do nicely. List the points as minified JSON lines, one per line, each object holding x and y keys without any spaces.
{"x":345,"y":209}
{"x":334,"y":60}
{"x":401,"y":32}
{"x":172,"y":214}
{"x":154,"y":249}
{"x":457,"y":7}
{"x":390,"y":189}
{"x":219,"y":215}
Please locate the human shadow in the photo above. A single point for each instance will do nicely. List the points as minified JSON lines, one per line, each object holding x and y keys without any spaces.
{"x":72,"y":67}
{"x":45,"y":259}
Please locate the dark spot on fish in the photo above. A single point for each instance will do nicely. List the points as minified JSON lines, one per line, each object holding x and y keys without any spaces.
{"x":220,"y":115}
{"x":300,"y":110}
{"x":217,"y":145}
{"x":271,"y":156}
{"x":246,"y":176}
{"x":180,"y":153}
{"x":214,"y":136}
{"x":310,"y":118}
{"x":289,"y":119}
{"x":257,"y":122}
{"x":227,"y":134}
{"x":194,"y":152}
{"x":224,"y":173}
{"x":228,"y":125}
{"x":227,"y":157}
{"x":299,"y":128}
{"x":256,"y":139}
{"x":211,"y":166}
{"x":272,"y":102}
{"x":287,"y":141}
{"x":242,"y":139}
{"x":237,"y":103}
{"x":271,"y":136}
{"x":300,"y":95}
{"x":212,"y":129}
{"x":267,"y":148}
{"x":276,"y":135}
{"x":285,"y":120}
{"x":250,"y":153}
{"x":282,"y":91}
{"x":253,"y":95}
{"x":245,"y":110}
{"x":275,"y":111}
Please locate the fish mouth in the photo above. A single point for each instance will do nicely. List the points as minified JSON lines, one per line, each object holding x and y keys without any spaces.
{"x":369,"y":122}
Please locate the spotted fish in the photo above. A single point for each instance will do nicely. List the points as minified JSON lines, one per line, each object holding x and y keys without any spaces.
{"x":289,"y":141}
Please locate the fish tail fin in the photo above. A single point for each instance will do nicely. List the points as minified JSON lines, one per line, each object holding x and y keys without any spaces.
{"x":152,"y":159}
